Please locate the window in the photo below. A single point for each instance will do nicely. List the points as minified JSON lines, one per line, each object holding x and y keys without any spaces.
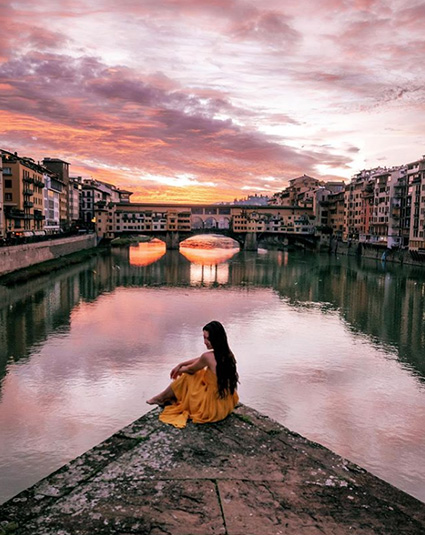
{"x":8,"y":183}
{"x":7,"y":170}
{"x":7,"y":196}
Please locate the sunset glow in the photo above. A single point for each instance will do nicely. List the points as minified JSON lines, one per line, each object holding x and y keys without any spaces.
{"x":207,"y":257}
{"x":146,"y":253}
{"x":205,"y":101}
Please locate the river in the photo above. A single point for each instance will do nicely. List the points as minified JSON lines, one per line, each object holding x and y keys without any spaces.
{"x":330,"y":346}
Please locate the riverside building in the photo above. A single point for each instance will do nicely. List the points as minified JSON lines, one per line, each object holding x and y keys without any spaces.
{"x":75,"y":191}
{"x":52,"y":192}
{"x":96,"y":191}
{"x":60,"y":168}
{"x":416,"y":200}
{"x":2,"y":224}
{"x":23,"y":184}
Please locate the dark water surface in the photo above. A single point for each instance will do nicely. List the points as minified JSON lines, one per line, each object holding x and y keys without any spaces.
{"x":332,"y":347}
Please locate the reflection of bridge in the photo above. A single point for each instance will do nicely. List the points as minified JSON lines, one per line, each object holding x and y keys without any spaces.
{"x":174,"y":223}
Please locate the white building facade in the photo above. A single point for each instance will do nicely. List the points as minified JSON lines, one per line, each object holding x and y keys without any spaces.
{"x":52,"y":192}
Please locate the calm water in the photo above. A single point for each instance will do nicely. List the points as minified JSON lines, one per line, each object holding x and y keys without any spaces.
{"x":329,"y":346}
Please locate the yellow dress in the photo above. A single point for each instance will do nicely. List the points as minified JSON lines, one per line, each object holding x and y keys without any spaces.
{"x":197,"y":399}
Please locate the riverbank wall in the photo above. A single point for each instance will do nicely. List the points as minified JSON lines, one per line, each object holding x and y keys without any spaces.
{"x":244,"y":475}
{"x":372,"y":252}
{"x":18,"y":257}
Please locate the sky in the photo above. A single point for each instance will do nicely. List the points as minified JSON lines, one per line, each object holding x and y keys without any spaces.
{"x":211,"y":100}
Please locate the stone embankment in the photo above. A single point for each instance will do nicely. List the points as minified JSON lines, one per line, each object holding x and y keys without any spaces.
{"x":23,"y":256}
{"x":246,"y":475}
{"x":20,"y":263}
{"x":375,"y":252}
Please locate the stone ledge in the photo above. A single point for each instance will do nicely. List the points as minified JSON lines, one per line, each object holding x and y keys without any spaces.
{"x":246,"y":475}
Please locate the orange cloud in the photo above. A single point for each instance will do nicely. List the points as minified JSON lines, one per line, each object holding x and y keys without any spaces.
{"x":226,"y":97}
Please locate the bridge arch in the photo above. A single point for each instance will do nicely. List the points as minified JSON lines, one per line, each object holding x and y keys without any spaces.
{"x":224,"y":223}
{"x":210,"y":222}
{"x":197,"y":222}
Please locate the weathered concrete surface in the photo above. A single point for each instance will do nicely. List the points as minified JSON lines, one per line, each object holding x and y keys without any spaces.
{"x":22,"y":256}
{"x":246,"y":475}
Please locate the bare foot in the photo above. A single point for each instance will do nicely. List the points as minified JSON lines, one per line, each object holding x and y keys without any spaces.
{"x":156,"y":400}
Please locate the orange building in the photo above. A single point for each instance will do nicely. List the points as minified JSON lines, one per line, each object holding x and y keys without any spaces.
{"x":23,"y":183}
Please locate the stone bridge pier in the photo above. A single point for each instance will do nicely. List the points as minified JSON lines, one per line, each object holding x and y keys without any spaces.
{"x":251,"y":241}
{"x":172,"y":240}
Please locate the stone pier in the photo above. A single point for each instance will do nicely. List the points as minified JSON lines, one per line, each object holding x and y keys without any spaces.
{"x":246,"y":475}
{"x":172,"y":240}
{"x":251,"y":242}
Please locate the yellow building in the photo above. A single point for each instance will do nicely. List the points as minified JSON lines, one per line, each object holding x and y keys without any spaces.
{"x":116,"y":218}
{"x":23,"y":193}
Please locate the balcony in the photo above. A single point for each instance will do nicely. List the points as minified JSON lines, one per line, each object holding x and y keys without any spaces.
{"x":28,"y":179}
{"x":28,"y":204}
{"x":28,"y":192}
{"x":38,"y":215}
{"x":14,"y":213}
{"x":39,"y":183}
{"x":395,"y":212}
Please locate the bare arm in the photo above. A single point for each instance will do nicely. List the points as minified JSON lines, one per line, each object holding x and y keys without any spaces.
{"x":196,"y":365}
{"x":176,"y":371}
{"x":192,"y":366}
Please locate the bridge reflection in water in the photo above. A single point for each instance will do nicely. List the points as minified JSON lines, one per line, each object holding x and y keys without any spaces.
{"x":146,"y":253}
{"x":208,"y":255}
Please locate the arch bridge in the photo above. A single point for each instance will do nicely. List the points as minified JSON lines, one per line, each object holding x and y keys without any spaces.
{"x":174,"y":223}
{"x":248,"y":241}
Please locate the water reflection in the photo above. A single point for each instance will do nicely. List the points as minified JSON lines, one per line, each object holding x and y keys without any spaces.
{"x":208,"y":257}
{"x":331,"y":347}
{"x":388,"y":306}
{"x":209,"y":274}
{"x":212,"y":242}
{"x":146,"y":253}
{"x":208,"y":266}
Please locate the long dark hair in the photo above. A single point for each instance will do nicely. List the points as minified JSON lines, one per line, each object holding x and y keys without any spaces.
{"x":227,"y":375}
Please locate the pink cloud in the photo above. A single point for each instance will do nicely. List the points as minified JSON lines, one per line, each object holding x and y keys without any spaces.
{"x":267,"y":26}
{"x":226,"y":91}
{"x":175,"y":132}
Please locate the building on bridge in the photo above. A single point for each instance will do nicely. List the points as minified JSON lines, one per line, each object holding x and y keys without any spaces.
{"x":114,"y":219}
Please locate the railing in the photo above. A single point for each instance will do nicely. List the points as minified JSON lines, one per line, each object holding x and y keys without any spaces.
{"x":30,"y":236}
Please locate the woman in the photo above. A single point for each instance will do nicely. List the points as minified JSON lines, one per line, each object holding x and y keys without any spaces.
{"x":204,"y":388}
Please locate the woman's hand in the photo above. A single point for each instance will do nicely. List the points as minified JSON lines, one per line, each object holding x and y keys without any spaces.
{"x":176,"y":371}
